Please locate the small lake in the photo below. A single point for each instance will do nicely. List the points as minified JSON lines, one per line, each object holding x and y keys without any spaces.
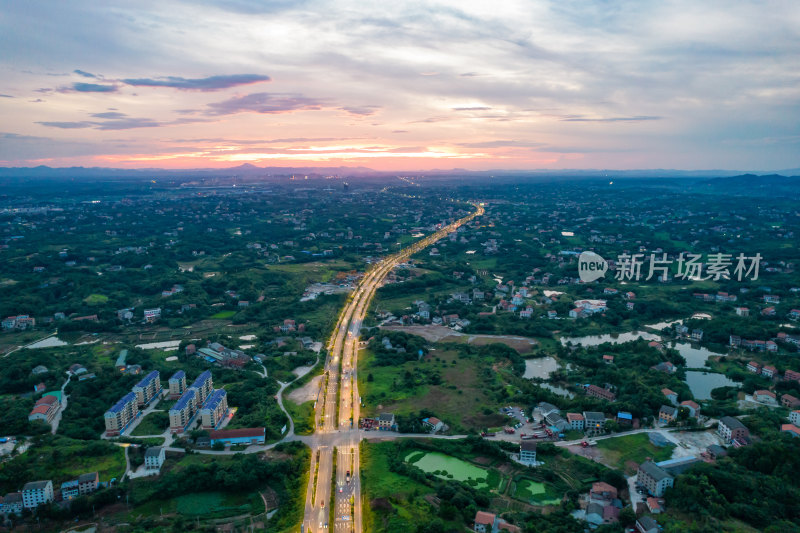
{"x":445,"y":466}
{"x":696,"y":356}
{"x":701,"y":383}
{"x":541,"y":367}
{"x":614,"y":338}
{"x":661,"y":325}
{"x":561,"y":391}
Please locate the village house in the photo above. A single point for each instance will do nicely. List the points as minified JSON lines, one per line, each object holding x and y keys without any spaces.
{"x":154,"y":458}
{"x":37,"y":493}
{"x":599,"y":392}
{"x":754,"y":367}
{"x":667,"y":414}
{"x":654,"y":479}
{"x":576,"y":421}
{"x":765,"y":396}
{"x":386,"y":422}
{"x":527,"y":452}
{"x":433,"y":424}
{"x":645,"y":524}
{"x":791,"y":429}
{"x":787,"y":400}
{"x":693,"y":407}
{"x":45,"y":409}
{"x":594,"y":422}
{"x":733,"y":431}
{"x":769,"y":371}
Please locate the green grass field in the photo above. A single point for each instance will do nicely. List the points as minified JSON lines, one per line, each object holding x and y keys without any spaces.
{"x":536,"y":493}
{"x":96,"y":299}
{"x":636,"y":448}
{"x":153,"y":424}
{"x":223,"y":315}
{"x":462,"y":400}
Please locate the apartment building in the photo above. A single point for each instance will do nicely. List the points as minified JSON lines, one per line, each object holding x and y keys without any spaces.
{"x":215,"y":409}
{"x":148,"y":388}
{"x":120,"y":416}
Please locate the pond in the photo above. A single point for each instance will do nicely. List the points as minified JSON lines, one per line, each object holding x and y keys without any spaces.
{"x":561,"y":391}
{"x":661,"y":325}
{"x":696,"y":356}
{"x":615,"y":338}
{"x":541,"y":367}
{"x":702,"y":383}
{"x":447,"y":467}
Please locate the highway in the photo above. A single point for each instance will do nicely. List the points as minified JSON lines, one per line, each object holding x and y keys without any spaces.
{"x":337,"y":431}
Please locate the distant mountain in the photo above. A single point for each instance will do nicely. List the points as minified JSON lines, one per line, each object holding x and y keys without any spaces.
{"x":250,"y":170}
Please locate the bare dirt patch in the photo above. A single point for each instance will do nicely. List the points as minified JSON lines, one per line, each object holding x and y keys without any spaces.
{"x":433,"y":333}
{"x":307,"y":392}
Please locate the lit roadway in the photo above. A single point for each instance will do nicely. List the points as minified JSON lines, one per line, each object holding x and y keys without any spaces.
{"x":338,"y":431}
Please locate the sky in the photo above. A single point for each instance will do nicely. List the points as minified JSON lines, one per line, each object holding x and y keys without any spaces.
{"x":565,"y":84}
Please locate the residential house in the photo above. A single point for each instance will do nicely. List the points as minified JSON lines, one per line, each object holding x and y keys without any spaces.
{"x":151,"y":315}
{"x":754,"y":367}
{"x":787,"y":400}
{"x":599,"y":392}
{"x":654,"y":479}
{"x":765,"y":396}
{"x":608,"y":359}
{"x":594,"y":422}
{"x":667,"y":414}
{"x":243,"y":436}
{"x":433,"y":424}
{"x":12,"y":504}
{"x":794,"y":417}
{"x":624,"y":418}
{"x":45,"y":409}
{"x":655,"y":505}
{"x":177,"y":385}
{"x":148,"y":388}
{"x":769,"y":371}
{"x":602,"y":493}
{"x":715,"y":451}
{"x":791,"y":375}
{"x":742,"y":311}
{"x":527,"y":452}
{"x":576,"y":421}
{"x":154,"y":458}
{"x":791,"y":429}
{"x":121,"y":414}
{"x":484,"y":522}
{"x":37,"y":493}
{"x":693,"y":407}
{"x":88,"y":483}
{"x":386,"y":422}
{"x":664,"y":366}
{"x":645,"y":524}
{"x":671,"y":395}
{"x":732,"y":430}
{"x":70,"y":489}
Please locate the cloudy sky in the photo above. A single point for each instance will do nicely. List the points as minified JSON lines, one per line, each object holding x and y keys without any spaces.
{"x":401,"y":85}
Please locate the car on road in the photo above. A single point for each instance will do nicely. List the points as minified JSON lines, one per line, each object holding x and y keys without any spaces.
{"x":341,"y":490}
